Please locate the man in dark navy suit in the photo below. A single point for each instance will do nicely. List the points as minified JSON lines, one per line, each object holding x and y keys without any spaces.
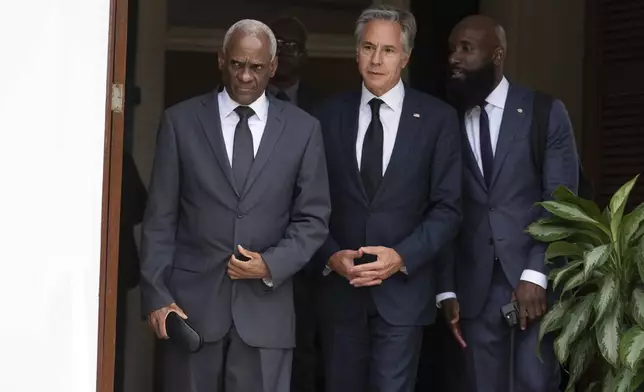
{"x":394,"y":161}
{"x":495,"y":260}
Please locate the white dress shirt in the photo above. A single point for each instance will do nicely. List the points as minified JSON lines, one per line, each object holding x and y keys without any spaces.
{"x":494,"y":108}
{"x":229,"y":119}
{"x":389,"y":112}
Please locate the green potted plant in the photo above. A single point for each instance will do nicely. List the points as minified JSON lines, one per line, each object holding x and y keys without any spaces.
{"x":598,"y":317}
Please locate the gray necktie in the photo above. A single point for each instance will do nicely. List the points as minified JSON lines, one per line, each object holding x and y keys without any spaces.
{"x":243,"y":152}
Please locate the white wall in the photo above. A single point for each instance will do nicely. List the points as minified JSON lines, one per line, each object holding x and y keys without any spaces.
{"x":52,"y":111}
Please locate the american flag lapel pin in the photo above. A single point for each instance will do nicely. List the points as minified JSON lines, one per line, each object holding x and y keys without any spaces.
{"x":416,"y":115}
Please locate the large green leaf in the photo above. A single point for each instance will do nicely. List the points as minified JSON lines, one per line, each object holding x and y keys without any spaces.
{"x":572,"y":212}
{"x":628,"y":381}
{"x":589,"y":207}
{"x":640,"y":259}
{"x":549,"y":233}
{"x":617,"y":205}
{"x":610,"y":382}
{"x":638,"y":306}
{"x":575,"y":322}
{"x":575,"y":281}
{"x":638,"y":235}
{"x":563,"y":248}
{"x":631,"y":223}
{"x":567,"y":211}
{"x":561,"y":274}
{"x":553,"y":320}
{"x":606,"y":296}
{"x":595,"y":258}
{"x":631,"y":348}
{"x":607,"y":332}
{"x":582,"y":355}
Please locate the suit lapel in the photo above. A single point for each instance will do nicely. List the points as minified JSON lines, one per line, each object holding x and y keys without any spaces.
{"x":408,"y":127}
{"x":349,"y":136}
{"x":468,"y":154}
{"x":510,"y":124}
{"x":211,"y":125}
{"x":275,"y":123}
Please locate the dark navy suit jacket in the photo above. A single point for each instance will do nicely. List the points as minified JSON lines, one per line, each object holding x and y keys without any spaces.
{"x":495,"y":219}
{"x":416,"y":211}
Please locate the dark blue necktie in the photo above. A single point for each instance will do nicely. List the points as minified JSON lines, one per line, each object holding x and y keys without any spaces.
{"x":487,"y":155}
{"x":371,"y":163}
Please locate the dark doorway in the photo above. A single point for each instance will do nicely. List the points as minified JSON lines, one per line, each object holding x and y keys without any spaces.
{"x":439,"y":360}
{"x":435,"y":20}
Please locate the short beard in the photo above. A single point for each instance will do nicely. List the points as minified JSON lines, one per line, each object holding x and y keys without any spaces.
{"x":473,"y":89}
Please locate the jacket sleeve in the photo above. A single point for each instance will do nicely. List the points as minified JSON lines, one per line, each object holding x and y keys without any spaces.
{"x":443,"y":218}
{"x":560,"y":167}
{"x":309,"y":215}
{"x":160,"y":220}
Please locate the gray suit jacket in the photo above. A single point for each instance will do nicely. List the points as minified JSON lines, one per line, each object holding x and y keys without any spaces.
{"x":195,"y":218}
{"x":495,"y":219}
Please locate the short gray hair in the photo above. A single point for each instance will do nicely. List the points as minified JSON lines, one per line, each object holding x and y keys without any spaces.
{"x":388,"y":13}
{"x":254,"y":28}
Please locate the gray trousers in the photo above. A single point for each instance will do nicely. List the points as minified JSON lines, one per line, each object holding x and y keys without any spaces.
{"x":229,"y":365}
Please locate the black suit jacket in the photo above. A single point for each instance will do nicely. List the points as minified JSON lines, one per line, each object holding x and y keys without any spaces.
{"x":416,"y":209}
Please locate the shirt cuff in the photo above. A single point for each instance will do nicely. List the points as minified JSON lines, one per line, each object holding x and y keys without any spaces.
{"x":443,"y":296}
{"x":535,"y":277}
{"x":327,"y":270}
{"x":403,"y":269}
{"x":268,"y":282}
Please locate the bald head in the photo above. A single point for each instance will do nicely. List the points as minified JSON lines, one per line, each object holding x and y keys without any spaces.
{"x":477,"y":47}
{"x":484,"y":24}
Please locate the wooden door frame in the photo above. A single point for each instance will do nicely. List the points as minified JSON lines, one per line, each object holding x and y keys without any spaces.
{"x":111,"y":208}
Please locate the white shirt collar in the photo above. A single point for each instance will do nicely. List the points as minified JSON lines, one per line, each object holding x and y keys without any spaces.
{"x":392,"y":98}
{"x":227,"y":105}
{"x":499,"y":95}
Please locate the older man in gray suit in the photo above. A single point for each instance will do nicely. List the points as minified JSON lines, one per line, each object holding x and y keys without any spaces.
{"x":495,"y":260}
{"x":237,"y":175}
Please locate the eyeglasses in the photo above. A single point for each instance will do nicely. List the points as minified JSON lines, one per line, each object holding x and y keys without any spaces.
{"x":292,"y":48}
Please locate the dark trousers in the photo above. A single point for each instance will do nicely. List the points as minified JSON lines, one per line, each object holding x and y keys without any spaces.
{"x":487,"y":357}
{"x":367,"y":354}
{"x":305,"y":376}
{"x":228,"y":365}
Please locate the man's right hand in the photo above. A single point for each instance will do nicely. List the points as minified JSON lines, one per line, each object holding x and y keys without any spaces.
{"x":452,"y":311}
{"x":156,"y":319}
{"x":342,"y":261}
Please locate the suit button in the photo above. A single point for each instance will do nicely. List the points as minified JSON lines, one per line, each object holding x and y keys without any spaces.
{"x":240,"y":216}
{"x":492,"y":209}
{"x":496,"y":259}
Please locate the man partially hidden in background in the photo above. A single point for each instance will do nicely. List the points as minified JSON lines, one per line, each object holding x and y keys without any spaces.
{"x":287,"y":83}
{"x":287,"y":86}
{"x":236,"y":173}
{"x":494,"y":260}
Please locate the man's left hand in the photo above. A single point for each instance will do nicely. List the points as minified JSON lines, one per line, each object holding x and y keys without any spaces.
{"x":388,"y":263}
{"x":254,"y":268}
{"x":532,"y":302}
